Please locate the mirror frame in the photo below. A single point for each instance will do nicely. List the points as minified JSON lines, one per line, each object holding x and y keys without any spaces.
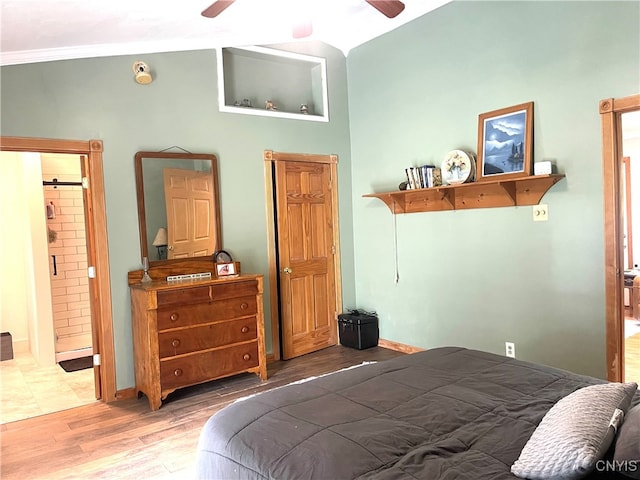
{"x":142,"y":221}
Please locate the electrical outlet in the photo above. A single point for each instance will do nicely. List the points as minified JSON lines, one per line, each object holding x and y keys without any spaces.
{"x":510,"y":349}
{"x":541,"y":212}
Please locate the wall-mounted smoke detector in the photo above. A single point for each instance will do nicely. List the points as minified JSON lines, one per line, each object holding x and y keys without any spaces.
{"x":141,"y":71}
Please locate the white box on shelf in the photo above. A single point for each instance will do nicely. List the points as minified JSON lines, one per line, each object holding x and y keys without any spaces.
{"x":543,"y":168}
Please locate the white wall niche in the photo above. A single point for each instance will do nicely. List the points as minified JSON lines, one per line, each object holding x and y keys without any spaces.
{"x":287,"y":79}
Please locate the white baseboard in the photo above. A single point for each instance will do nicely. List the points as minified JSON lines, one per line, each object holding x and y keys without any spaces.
{"x":21,"y":346}
{"x":70,"y":355}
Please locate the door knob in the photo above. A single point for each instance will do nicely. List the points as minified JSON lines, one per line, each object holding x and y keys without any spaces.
{"x":287,"y":270}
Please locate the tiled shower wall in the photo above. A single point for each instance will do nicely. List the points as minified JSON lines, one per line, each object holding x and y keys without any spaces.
{"x":67,"y":241}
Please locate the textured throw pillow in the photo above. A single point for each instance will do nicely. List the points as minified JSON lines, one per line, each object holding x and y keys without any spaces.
{"x":575,"y":433}
{"x":626,"y":455}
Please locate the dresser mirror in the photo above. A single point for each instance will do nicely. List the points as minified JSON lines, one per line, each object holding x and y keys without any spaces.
{"x":178,"y":205}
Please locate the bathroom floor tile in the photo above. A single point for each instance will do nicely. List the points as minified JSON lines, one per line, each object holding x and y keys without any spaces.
{"x":29,"y":390}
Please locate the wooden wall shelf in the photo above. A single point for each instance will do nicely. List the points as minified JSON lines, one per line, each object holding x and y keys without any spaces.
{"x":485,"y":194}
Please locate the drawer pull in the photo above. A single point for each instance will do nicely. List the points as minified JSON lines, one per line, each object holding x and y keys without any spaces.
{"x":174,"y":317}
{"x":175,"y":342}
{"x":244,"y":329}
{"x":177,"y":372}
{"x":246,"y":356}
{"x":244,"y":306}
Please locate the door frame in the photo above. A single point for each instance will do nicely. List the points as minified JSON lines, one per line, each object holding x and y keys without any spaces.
{"x":611,"y":110}
{"x":97,"y":248}
{"x":270,"y":157}
{"x":628,"y":211}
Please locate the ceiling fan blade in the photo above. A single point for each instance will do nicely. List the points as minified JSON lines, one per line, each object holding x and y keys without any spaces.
{"x":216,"y":8}
{"x":302,"y":29}
{"x":389,"y":8}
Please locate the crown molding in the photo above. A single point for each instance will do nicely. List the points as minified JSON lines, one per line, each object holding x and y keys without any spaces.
{"x":106,"y":50}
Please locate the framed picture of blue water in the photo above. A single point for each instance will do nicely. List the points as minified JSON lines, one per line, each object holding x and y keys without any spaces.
{"x":505,"y":143}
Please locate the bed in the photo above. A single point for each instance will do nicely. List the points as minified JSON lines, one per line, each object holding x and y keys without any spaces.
{"x":449,"y":413}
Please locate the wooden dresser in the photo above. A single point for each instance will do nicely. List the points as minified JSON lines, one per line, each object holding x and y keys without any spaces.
{"x":185,"y":333}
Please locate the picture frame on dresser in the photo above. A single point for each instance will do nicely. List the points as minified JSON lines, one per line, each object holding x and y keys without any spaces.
{"x":227,"y":269}
{"x":505,"y":143}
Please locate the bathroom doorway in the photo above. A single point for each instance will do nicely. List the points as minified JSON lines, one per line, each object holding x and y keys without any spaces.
{"x":67,"y":247}
{"x":630,"y":192}
{"x":40,"y":335}
{"x":50,"y":325}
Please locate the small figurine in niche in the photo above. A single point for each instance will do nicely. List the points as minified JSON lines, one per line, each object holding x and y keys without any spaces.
{"x":304,"y":109}
{"x":269,"y":105}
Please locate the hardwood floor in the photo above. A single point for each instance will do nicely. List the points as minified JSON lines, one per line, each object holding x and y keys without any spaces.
{"x":126,"y":440}
{"x":632,"y":358}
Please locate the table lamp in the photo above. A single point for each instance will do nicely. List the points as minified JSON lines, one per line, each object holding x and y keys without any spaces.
{"x":160,"y":242}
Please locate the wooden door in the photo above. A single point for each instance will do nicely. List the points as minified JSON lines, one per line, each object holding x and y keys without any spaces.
{"x":189,"y":203}
{"x":307,"y":256}
{"x":90,"y":231}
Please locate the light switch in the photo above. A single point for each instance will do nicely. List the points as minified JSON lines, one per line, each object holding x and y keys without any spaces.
{"x":541,"y":212}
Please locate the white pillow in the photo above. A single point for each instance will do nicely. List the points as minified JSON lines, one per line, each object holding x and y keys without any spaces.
{"x":575,"y":433}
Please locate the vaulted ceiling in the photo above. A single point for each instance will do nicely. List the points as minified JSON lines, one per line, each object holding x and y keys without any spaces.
{"x":43,"y":30}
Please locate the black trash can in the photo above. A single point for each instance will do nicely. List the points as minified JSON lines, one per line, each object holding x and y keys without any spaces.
{"x":6,"y":346}
{"x":358,"y":330}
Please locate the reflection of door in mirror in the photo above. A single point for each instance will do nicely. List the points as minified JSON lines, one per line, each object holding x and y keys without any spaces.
{"x":189,"y":203}
{"x":179,"y":216}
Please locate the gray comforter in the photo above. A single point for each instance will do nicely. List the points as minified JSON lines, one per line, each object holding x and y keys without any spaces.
{"x":446,"y":413}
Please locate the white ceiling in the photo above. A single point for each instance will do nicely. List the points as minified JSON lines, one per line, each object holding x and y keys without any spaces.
{"x":43,"y":30}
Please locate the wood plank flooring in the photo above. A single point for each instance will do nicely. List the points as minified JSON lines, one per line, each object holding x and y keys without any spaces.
{"x":632,"y":358}
{"x":126,"y":440}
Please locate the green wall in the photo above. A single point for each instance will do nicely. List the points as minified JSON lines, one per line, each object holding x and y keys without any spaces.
{"x":98,"y":98}
{"x":478,"y":278}
{"x":473,"y":278}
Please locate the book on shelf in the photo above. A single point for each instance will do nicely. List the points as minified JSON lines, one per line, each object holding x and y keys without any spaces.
{"x":424,"y":176}
{"x":428,"y":175}
{"x":437,"y":177}
{"x":412,"y":179}
{"x":409,"y":183}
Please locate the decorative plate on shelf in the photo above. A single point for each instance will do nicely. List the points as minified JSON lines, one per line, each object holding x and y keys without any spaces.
{"x":458,"y":167}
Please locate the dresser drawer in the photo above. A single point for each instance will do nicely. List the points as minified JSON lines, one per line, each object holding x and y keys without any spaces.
{"x":183,"y":295}
{"x":187,"y":340}
{"x":203,"y":366}
{"x":187,"y":315}
{"x":234,"y":289}
{"x":220,"y":291}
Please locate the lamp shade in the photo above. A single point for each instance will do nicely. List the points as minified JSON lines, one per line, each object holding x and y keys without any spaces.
{"x":161,"y":237}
